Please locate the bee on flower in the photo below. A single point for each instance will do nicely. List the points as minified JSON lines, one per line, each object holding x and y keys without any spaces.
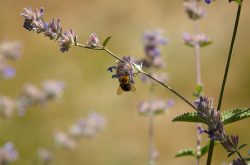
{"x":124,"y":73}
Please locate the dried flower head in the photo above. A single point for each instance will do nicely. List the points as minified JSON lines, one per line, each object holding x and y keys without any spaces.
{"x":93,"y":40}
{"x":45,"y":156}
{"x":6,"y":106}
{"x":88,"y":127}
{"x":10,"y":49}
{"x":154,"y":106}
{"x":194,"y":10}
{"x":193,"y":39}
{"x":63,"y":140}
{"x":8,"y":153}
{"x":67,"y":39}
{"x":212,"y":117}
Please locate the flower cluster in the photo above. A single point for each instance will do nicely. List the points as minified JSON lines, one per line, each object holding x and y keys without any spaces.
{"x":193,"y":39}
{"x":154,"y":106}
{"x":194,"y":10}
{"x":33,"y":20}
{"x":83,"y":128}
{"x":212,"y":118}
{"x":8,"y":153}
{"x":32,"y":95}
{"x":152,"y":41}
{"x":10,"y":50}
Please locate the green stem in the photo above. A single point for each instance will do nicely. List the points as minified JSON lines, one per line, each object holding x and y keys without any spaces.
{"x":210,"y":153}
{"x":241,"y":158}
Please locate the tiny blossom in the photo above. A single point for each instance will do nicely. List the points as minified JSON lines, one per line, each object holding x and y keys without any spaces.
{"x":93,"y":40}
{"x":6,"y":71}
{"x":194,"y":10}
{"x":193,"y":39}
{"x":208,"y":1}
{"x":45,"y":155}
{"x":154,"y":106}
{"x":54,"y":30}
{"x":88,"y":127}
{"x":33,"y":19}
{"x":6,"y":106}
{"x":67,"y":39}
{"x":212,"y":117}
{"x":162,"y":77}
{"x":10,"y":49}
{"x":62,"y":139}
{"x":53,"y":89}
{"x":8,"y":153}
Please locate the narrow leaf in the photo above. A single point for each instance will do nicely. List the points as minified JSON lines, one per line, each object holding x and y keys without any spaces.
{"x":106,"y":41}
{"x":204,"y":44}
{"x":241,"y":146}
{"x":189,"y":117}
{"x":231,"y":153}
{"x":186,"y":152}
{"x":234,"y":115}
{"x":198,"y":90}
{"x":204,"y":149}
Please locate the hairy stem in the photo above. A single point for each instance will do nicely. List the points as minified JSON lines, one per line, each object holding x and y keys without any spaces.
{"x":210,"y":153}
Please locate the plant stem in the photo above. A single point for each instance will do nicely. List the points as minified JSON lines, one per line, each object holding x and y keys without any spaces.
{"x":210,"y":153}
{"x":148,"y":75}
{"x":198,"y":82}
{"x":241,"y":158}
{"x":151,"y":145}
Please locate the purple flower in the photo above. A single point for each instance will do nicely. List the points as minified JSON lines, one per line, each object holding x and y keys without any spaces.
{"x":45,"y":155}
{"x":7,"y":71}
{"x":67,"y":39}
{"x":154,"y":107}
{"x":33,"y":19}
{"x":10,"y":49}
{"x":212,"y":117}
{"x":208,"y":1}
{"x":194,"y":10}
{"x":54,"y":30}
{"x":93,"y":40}
{"x":88,"y":127}
{"x":193,"y":39}
{"x":8,"y":153}
{"x":6,"y":106}
{"x":53,"y":89}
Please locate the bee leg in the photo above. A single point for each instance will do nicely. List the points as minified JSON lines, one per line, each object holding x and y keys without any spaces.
{"x":110,"y":69}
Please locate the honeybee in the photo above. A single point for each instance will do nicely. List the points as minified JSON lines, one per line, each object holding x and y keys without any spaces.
{"x":126,"y":84}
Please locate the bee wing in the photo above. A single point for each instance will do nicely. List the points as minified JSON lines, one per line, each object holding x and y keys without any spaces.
{"x":119,"y":91}
{"x":133,"y":89}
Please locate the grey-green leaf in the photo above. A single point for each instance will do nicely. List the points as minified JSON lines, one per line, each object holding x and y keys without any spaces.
{"x":234,"y":115}
{"x":186,"y":152}
{"x":189,"y":117}
{"x":204,"y":44}
{"x":106,"y":41}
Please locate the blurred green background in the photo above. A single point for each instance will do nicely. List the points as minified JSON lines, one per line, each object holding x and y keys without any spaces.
{"x":89,"y":86}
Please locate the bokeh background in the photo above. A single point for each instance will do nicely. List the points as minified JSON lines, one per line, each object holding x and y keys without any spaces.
{"x":89,"y":86}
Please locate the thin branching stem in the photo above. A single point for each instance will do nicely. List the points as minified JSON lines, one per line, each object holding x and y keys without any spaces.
{"x":210,"y":153}
{"x":145,"y":73}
